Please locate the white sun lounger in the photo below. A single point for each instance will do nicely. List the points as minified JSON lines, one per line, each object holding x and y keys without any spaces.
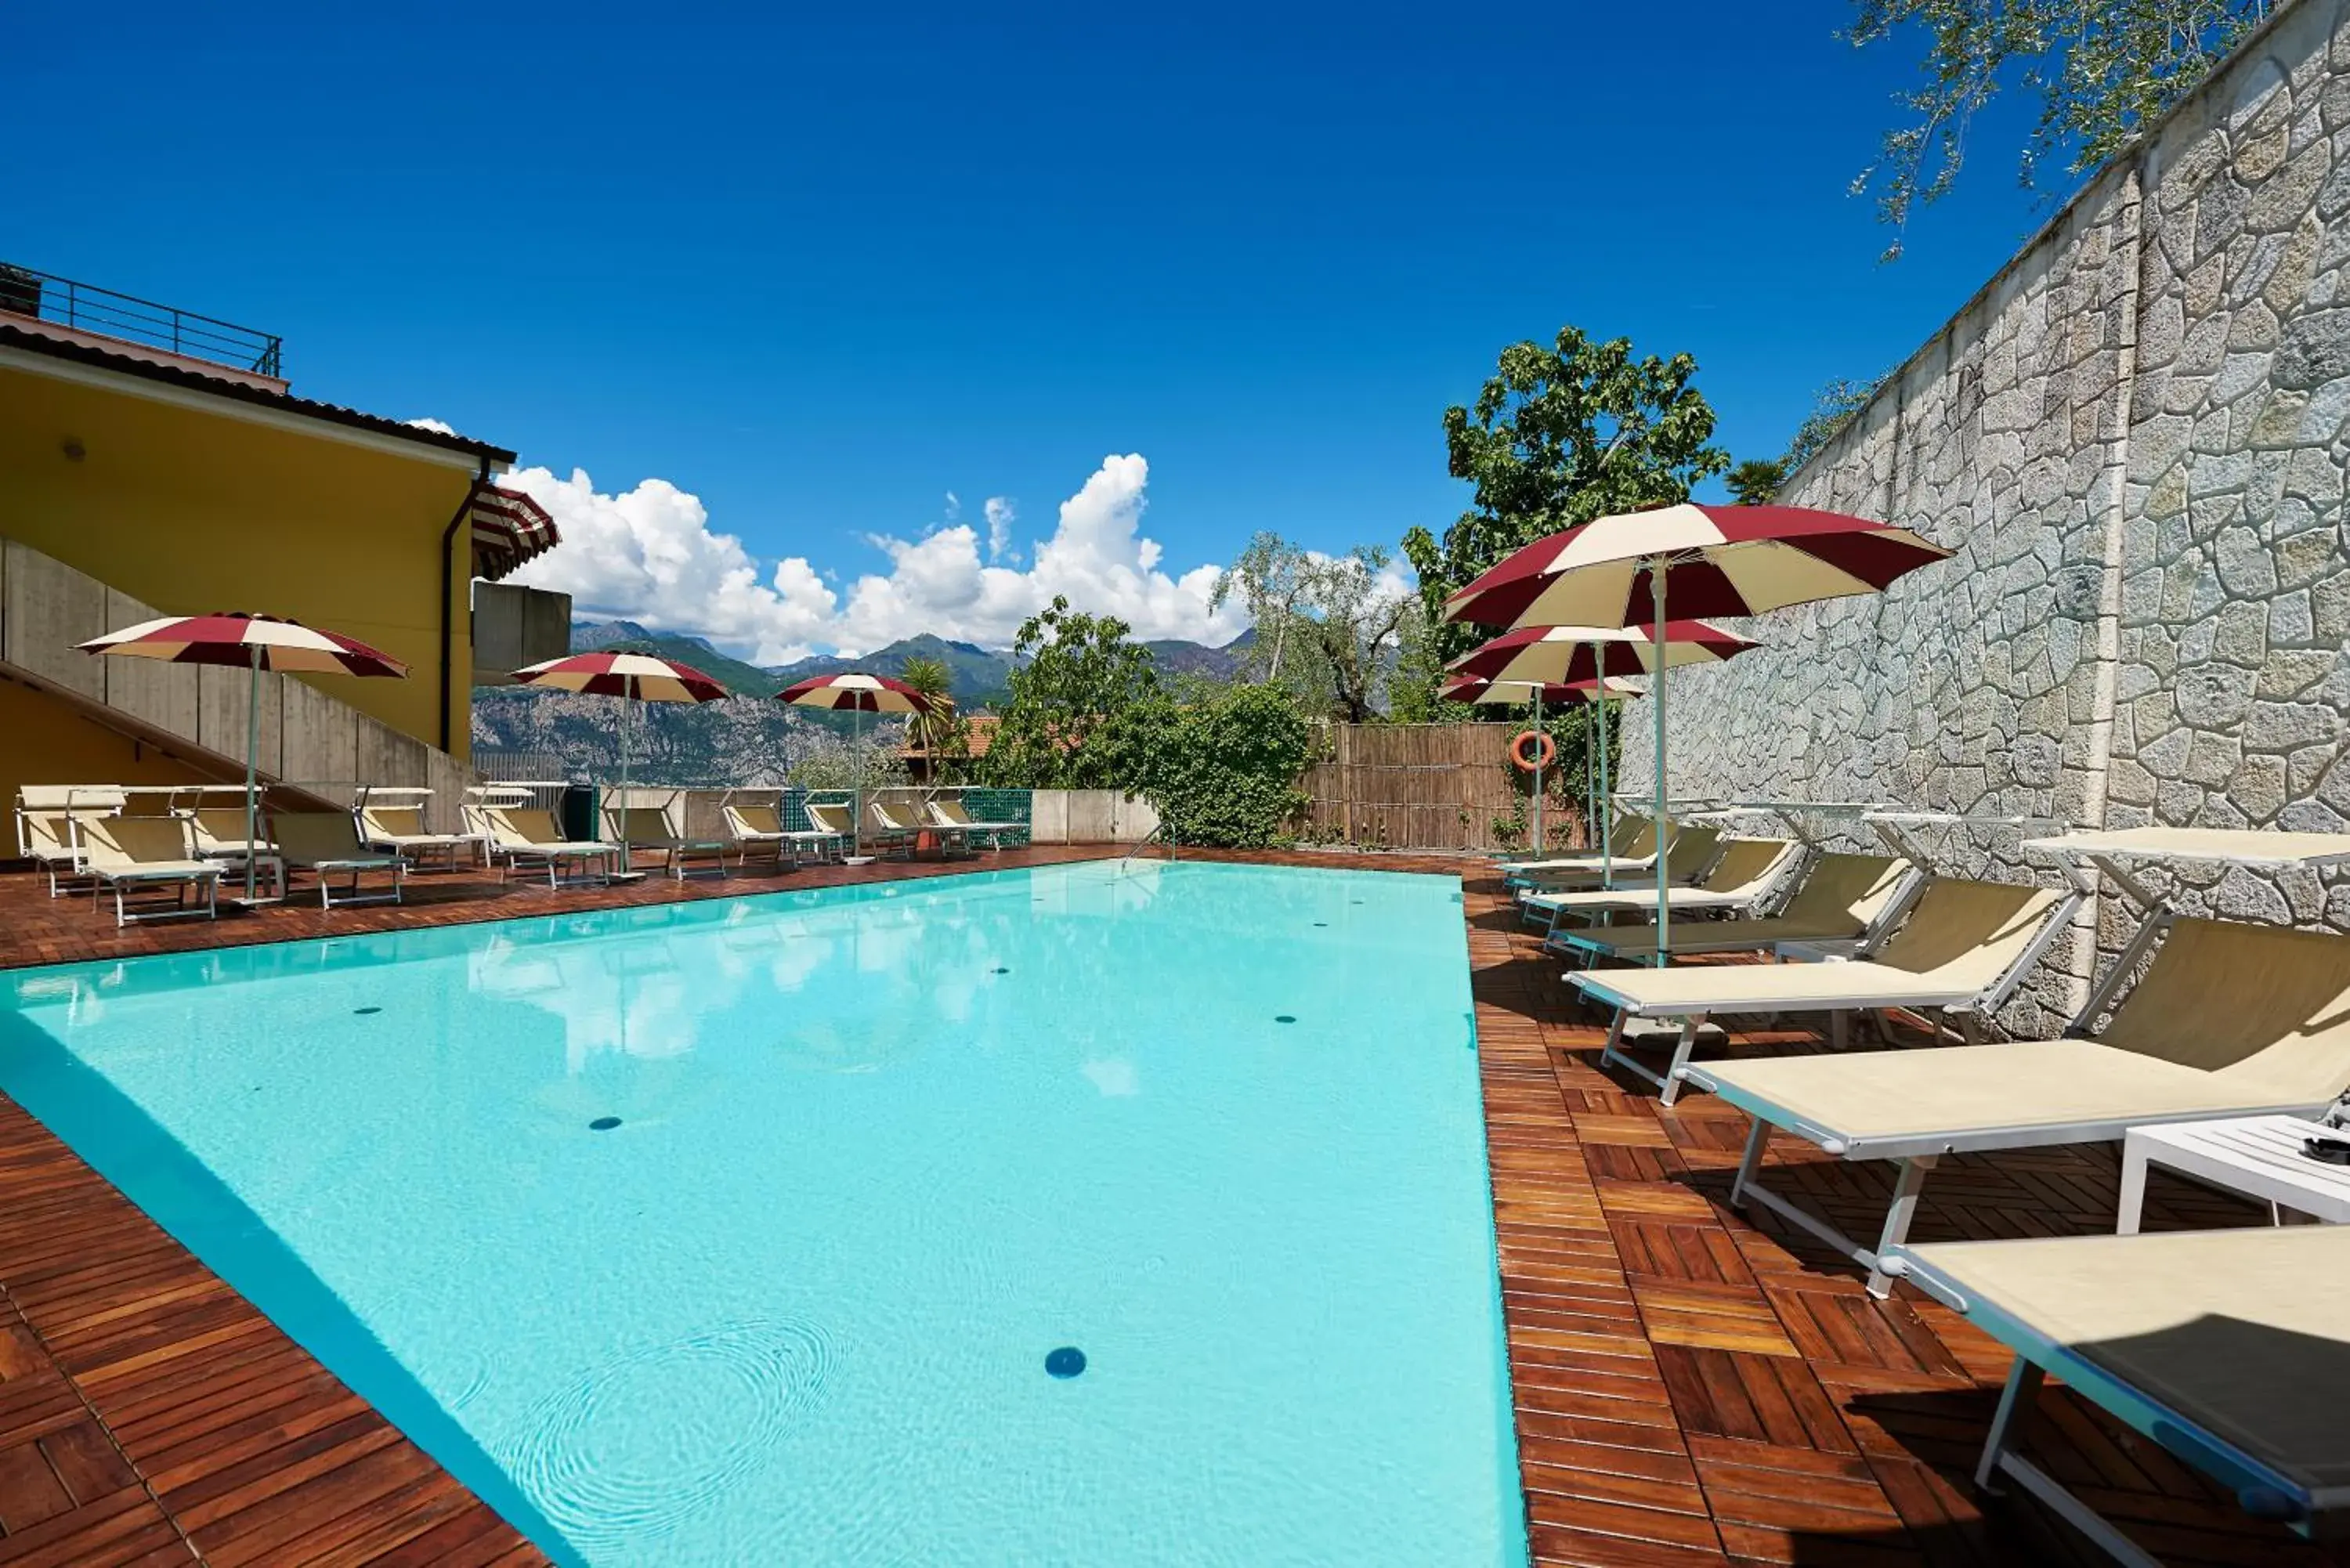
{"x":327,"y":843}
{"x":527,"y":838}
{"x":2229,"y":1020}
{"x":397,"y":824}
{"x":1745,"y":872}
{"x":950,"y":817}
{"x":892,"y":828}
{"x":1625,"y":838}
{"x":754,"y":825}
{"x":1842,"y":902}
{"x":2231,"y":1349}
{"x":1963,"y":949}
{"x":1692,"y":852}
{"x":45,"y":826}
{"x":1632,"y":847}
{"x":649,"y":827}
{"x":133,"y":854}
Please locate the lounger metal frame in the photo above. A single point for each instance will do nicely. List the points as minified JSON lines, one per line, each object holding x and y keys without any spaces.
{"x":1773,"y":880}
{"x":2254,"y":1482}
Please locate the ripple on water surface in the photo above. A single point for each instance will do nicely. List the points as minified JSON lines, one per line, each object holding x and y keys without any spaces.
{"x":638,"y":1445}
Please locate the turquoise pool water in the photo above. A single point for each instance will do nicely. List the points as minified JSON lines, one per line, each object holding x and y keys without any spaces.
{"x":880,"y":1152}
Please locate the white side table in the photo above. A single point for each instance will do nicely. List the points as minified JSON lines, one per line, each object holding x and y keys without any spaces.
{"x":2260,"y":1156}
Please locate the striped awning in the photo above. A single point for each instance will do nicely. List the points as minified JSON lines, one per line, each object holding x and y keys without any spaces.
{"x":509,"y":528}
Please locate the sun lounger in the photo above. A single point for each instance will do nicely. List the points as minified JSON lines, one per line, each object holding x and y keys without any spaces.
{"x":1692,"y":854}
{"x":1742,"y":874}
{"x":136,"y":854}
{"x":750,"y":827}
{"x":1631,"y":836}
{"x":327,"y":843}
{"x":648,"y":828}
{"x":1632,"y":851}
{"x":2228,"y":1020}
{"x":2229,"y":1349}
{"x":1842,"y":902}
{"x":904,"y":830}
{"x":45,"y":826}
{"x":1963,"y":949}
{"x":952,"y":816}
{"x":398,"y":826}
{"x":527,"y":838}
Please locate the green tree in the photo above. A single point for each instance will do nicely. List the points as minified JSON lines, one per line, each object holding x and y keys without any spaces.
{"x":1076,"y":683}
{"x":1756,"y":482}
{"x":938,"y":734}
{"x":1833,"y":408}
{"x":1328,"y":627}
{"x":1561,"y":435}
{"x":2101,"y":70}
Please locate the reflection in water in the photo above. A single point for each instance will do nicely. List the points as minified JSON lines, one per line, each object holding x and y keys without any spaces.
{"x":625,"y":995}
{"x":1114,"y":1076}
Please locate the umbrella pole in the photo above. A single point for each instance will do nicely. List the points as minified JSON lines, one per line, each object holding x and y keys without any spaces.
{"x":627,"y":857}
{"x":1539,"y":840}
{"x":1590,"y":778}
{"x":1664,"y":827}
{"x":1607,"y":829}
{"x":251,"y":768}
{"x":857,"y":781}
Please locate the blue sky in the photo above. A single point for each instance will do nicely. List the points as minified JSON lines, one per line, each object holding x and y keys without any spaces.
{"x":819,"y":270}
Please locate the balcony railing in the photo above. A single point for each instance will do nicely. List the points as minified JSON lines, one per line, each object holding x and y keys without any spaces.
{"x":88,"y":308}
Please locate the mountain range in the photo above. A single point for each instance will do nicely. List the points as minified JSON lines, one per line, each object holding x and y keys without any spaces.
{"x":976,"y":676}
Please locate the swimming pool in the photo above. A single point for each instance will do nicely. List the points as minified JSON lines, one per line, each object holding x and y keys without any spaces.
{"x":742,"y":1231}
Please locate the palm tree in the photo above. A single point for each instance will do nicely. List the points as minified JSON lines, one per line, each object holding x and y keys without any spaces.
{"x":937,"y":734}
{"x":1754,"y":482}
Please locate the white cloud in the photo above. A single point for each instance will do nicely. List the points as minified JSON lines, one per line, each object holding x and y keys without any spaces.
{"x":1000,"y":518}
{"x":649,"y":554}
{"x":440,"y":427}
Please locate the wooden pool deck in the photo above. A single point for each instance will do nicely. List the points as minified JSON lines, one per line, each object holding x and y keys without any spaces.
{"x":1690,"y":1388}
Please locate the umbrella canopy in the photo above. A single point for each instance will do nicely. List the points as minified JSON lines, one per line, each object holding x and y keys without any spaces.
{"x":247,"y":642}
{"x":1717,"y":561}
{"x":258,"y":642}
{"x":1576,"y":655}
{"x":857,"y":694}
{"x":1552,"y":694}
{"x":643,"y":676}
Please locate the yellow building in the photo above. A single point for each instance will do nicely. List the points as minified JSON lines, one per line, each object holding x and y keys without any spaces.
{"x":152,"y":462}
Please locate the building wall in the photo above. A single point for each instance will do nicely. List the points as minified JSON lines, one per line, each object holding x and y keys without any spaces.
{"x":192,"y":508}
{"x":2134,"y":438}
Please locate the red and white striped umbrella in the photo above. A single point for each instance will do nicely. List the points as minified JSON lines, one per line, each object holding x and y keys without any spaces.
{"x":1550,"y":694}
{"x":643,"y":676}
{"x":257,"y":642}
{"x":1717,"y":561}
{"x":855,"y":693}
{"x":248,"y":641}
{"x":1554,"y":655}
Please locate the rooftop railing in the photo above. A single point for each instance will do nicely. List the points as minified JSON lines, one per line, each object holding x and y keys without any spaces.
{"x":86,"y":307}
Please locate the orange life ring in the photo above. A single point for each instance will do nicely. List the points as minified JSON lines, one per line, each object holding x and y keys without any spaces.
{"x":1544,"y":750}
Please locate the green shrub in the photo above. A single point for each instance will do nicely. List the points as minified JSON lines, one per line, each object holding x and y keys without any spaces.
{"x":1222,"y":769}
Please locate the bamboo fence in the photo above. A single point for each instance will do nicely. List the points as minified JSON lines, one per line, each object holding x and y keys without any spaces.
{"x":1425,"y":786}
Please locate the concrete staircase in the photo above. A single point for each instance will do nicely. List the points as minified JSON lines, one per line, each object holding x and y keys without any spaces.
{"x":314,"y":747}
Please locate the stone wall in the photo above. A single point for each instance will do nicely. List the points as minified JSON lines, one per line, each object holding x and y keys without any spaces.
{"x":2134,"y":438}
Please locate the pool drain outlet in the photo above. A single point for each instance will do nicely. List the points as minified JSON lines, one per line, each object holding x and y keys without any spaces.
{"x":363,"y":1012}
{"x":603,"y":1123}
{"x":1066,"y":1362}
{"x":1285,"y":1018}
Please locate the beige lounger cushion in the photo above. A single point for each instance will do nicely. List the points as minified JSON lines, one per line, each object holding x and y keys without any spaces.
{"x":2229,"y":1019}
{"x":753,"y":821}
{"x":1691,"y":851}
{"x":132,"y":847}
{"x":314,"y":838}
{"x":2241,"y":1332}
{"x":404,"y":826}
{"x":833,"y":819}
{"x":1635,"y":839}
{"x":1958,"y":940}
{"x":1739,"y":877}
{"x":533,"y":829}
{"x":1839,"y":896}
{"x":1967,"y":1091}
{"x":2219,"y":844}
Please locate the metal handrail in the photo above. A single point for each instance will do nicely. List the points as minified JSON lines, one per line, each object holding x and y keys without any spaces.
{"x":46,"y":297}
